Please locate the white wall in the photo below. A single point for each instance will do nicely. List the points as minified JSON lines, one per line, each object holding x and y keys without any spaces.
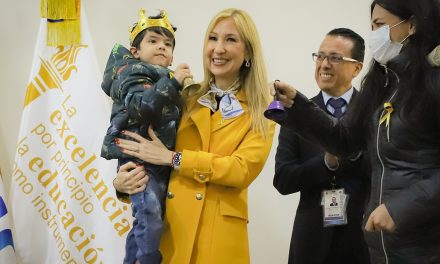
{"x":290,"y":31}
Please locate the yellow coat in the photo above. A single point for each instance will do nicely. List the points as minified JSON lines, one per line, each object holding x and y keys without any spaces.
{"x":206,"y":208}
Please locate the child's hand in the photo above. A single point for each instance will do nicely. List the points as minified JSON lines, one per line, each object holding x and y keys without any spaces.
{"x":182,"y":71}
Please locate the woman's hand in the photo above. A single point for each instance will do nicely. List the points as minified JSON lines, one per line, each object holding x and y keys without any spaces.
{"x":151,"y":151}
{"x":286,"y":92}
{"x":131,"y":179}
{"x":380,"y":220}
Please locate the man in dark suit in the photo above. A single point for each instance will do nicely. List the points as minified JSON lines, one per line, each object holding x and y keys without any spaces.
{"x":334,"y":203}
{"x":304,"y":167}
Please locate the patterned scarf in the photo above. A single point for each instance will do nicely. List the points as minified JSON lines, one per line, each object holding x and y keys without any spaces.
{"x":229,"y":105}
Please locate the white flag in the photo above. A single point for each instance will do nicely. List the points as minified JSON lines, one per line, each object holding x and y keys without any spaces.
{"x":63,"y":202}
{"x":7,"y":254}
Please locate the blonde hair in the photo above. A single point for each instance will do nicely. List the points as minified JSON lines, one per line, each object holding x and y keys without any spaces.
{"x":253,"y":79}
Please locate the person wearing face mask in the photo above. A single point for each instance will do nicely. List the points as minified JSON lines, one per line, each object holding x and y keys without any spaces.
{"x":396,"y":118}
{"x":382,"y":47}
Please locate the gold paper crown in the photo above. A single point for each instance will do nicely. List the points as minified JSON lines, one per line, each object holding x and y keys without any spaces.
{"x":146,"y":22}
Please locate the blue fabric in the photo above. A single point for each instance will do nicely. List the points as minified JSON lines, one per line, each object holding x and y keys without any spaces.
{"x":143,"y":240}
{"x":3,"y":209}
{"x":6,"y":239}
{"x":5,"y":235}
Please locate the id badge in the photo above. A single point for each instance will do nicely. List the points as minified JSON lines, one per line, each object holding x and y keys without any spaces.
{"x":334,"y":205}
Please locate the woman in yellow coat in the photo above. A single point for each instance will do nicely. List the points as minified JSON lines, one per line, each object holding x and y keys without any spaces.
{"x":223,"y":141}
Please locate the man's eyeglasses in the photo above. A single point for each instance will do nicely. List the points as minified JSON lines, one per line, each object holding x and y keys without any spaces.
{"x":332,"y":58}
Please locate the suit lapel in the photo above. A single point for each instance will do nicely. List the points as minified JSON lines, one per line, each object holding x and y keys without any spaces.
{"x":199,"y":116}
{"x":355,"y":93}
{"x":319,"y":100}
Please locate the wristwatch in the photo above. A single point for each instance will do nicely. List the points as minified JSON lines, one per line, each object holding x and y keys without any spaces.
{"x":177,"y":157}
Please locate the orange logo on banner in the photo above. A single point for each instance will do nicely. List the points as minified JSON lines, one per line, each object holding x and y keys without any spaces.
{"x":53,"y":72}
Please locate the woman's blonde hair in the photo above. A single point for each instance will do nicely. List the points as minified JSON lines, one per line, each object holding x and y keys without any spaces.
{"x":253,"y":78}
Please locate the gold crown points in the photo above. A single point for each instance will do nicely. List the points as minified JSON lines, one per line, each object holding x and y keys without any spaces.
{"x":146,"y":22}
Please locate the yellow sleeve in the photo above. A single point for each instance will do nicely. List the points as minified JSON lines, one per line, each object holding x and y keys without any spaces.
{"x":236,"y":170}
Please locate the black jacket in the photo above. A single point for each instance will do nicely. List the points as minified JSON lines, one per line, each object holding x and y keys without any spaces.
{"x":300,"y":168}
{"x":143,"y":94}
{"x":405,"y":160}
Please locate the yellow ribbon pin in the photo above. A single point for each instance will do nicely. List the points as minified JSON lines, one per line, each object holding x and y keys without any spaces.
{"x":387,"y":117}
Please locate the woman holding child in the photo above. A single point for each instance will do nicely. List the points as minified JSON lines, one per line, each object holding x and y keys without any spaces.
{"x":223,"y":141}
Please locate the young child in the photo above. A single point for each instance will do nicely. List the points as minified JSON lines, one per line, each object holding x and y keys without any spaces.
{"x":145,"y":93}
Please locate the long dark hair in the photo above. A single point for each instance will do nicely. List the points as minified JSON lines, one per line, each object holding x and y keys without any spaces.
{"x":418,"y":83}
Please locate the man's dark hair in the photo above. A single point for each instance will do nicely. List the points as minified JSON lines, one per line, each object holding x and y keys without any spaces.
{"x":358,"y":50}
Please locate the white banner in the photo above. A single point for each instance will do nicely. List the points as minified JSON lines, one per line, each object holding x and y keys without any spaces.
{"x":64,"y":207}
{"x":7,"y":254}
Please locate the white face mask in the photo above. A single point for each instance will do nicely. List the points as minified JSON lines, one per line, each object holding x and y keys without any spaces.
{"x":381,"y":46}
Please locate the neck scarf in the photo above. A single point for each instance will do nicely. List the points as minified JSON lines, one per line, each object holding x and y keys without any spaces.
{"x":229,"y":105}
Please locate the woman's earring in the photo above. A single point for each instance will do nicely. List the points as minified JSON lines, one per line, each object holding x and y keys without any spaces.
{"x":247,"y":64}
